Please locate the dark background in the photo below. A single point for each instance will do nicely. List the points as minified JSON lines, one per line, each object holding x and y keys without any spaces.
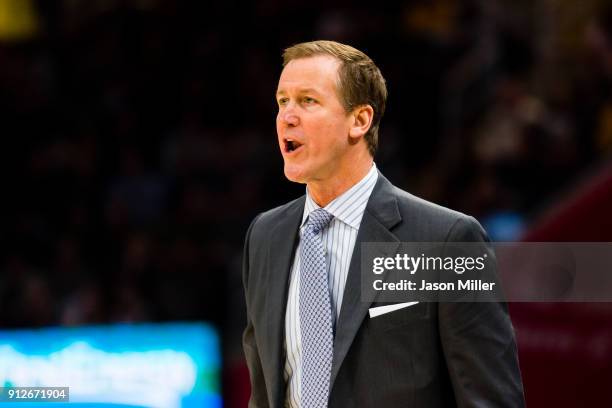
{"x":138,"y":142}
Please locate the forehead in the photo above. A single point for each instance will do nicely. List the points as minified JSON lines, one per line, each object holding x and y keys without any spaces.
{"x":319,"y":73}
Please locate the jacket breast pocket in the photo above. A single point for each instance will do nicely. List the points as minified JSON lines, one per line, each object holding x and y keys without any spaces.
{"x":405,"y":316}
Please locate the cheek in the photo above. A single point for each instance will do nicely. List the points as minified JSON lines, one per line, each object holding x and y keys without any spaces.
{"x":278,"y":126}
{"x":335,"y":136}
{"x":279,"y":133}
{"x":327,"y":137}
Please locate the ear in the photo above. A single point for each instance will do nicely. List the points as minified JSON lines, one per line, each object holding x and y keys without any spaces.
{"x":361,"y":121}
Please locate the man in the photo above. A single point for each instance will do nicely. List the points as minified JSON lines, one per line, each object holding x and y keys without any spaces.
{"x":309,"y":341}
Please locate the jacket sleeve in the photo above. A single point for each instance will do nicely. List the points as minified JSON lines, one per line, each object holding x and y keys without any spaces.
{"x":478,"y":342}
{"x":258,"y":397}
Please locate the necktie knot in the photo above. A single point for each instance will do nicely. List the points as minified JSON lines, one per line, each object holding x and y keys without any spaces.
{"x":318,"y":220}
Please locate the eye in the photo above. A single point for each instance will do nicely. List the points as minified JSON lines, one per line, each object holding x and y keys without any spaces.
{"x":282,"y":101}
{"x":308,"y":100}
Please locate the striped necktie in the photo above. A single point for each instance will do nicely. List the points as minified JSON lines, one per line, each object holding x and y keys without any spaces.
{"x":315,"y":313}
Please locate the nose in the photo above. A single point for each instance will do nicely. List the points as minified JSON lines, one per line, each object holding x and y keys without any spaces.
{"x":287,"y":115}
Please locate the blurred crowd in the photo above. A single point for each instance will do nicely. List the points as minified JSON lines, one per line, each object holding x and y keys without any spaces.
{"x":139,"y":140}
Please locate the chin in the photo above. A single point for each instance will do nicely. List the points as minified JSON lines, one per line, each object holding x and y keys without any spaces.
{"x":294,"y":174}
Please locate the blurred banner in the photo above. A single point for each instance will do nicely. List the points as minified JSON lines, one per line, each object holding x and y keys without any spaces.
{"x":171,"y":365}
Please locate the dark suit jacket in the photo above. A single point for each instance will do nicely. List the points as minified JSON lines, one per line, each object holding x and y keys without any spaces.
{"x":426,"y":355}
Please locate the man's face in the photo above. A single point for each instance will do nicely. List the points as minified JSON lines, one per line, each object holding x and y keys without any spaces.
{"x":312,"y":125}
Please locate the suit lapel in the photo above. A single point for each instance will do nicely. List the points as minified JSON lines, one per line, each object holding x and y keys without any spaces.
{"x":280,"y":257}
{"x":380,"y":215}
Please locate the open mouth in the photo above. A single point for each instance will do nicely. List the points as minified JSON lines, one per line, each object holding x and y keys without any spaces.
{"x":292,"y":145}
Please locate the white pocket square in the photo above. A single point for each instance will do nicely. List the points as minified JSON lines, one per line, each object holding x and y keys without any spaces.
{"x":381,"y":310}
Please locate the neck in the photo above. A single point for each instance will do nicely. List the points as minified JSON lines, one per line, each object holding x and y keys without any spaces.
{"x":325,"y":192}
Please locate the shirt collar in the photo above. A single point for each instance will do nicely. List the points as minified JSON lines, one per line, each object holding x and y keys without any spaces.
{"x":350,"y":205}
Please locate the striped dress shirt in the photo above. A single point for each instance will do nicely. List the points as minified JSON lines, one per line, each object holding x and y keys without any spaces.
{"x":338,"y":242}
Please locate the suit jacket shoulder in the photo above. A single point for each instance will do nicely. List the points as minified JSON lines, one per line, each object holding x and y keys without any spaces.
{"x":419,"y":220}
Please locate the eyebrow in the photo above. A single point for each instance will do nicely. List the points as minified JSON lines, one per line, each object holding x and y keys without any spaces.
{"x":300,"y":91}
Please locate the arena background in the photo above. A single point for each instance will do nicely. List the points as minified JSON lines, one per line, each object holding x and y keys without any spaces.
{"x":138,"y":141}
